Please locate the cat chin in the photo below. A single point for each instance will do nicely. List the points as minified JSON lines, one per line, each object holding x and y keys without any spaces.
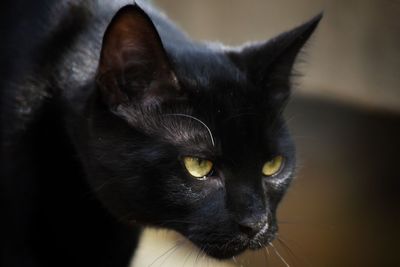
{"x":222,"y":252}
{"x":235,"y":247}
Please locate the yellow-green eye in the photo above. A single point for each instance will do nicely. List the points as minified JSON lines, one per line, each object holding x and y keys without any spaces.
{"x":273,"y":166}
{"x":198,"y":167}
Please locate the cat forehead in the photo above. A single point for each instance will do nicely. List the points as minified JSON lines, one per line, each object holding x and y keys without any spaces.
{"x":205,"y":67}
{"x":217,"y":131}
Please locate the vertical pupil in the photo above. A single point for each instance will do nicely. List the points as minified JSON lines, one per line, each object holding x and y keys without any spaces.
{"x":200,"y":162}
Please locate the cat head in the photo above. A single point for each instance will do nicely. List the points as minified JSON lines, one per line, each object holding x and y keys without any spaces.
{"x":191,"y":137}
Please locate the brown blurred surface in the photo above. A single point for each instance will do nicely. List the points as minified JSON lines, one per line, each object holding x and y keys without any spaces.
{"x":347,"y":195}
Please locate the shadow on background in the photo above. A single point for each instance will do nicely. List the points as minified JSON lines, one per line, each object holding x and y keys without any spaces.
{"x":344,"y":207}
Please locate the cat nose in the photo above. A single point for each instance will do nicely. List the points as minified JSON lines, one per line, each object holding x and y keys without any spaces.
{"x":253,"y":226}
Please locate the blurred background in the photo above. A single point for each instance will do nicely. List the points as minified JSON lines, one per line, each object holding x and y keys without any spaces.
{"x":344,"y":207}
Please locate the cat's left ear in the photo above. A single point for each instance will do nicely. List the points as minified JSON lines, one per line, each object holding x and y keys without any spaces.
{"x":133,"y":66}
{"x":269,"y":64}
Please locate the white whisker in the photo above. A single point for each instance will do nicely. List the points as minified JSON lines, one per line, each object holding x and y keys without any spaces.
{"x":266,"y":257}
{"x":279,"y":255}
{"x":178,"y":244}
{"x":198,"y":120}
{"x":234,"y":259}
{"x":188,"y":256}
{"x":266,"y":248}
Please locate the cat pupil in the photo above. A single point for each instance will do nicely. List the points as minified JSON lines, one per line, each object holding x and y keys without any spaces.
{"x":201,"y":162}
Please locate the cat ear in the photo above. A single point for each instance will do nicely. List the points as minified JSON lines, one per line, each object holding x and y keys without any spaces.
{"x":269,"y":64}
{"x":133,"y":63}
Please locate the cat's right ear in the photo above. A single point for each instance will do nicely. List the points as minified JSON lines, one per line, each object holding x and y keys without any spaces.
{"x":133,"y":65}
{"x":269,"y":65}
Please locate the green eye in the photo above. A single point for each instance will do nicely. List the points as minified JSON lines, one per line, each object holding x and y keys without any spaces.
{"x":273,"y":166}
{"x":197,"y":167}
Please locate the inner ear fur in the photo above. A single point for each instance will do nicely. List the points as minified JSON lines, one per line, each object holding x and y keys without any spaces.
{"x":133,"y":62}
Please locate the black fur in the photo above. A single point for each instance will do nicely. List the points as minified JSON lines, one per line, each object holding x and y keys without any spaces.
{"x":94,"y":130}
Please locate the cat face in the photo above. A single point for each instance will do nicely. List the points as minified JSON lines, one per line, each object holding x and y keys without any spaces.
{"x":191,"y":138}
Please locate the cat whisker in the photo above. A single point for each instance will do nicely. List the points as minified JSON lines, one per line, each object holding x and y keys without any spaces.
{"x":266,"y":248}
{"x":286,"y":246}
{"x":198,"y":254}
{"x":234,"y":259}
{"x":179,"y":243}
{"x":196,"y":119}
{"x":204,"y":254}
{"x":236,"y":262}
{"x":187,"y":257}
{"x":305,"y":258}
{"x":172,"y":252}
{"x":266,"y":256}
{"x":279,"y":255}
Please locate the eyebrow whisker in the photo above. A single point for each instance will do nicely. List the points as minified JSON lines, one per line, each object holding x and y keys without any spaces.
{"x":196,"y":119}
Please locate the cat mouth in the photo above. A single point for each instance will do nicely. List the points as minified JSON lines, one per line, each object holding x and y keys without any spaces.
{"x":225,"y":251}
{"x":262,"y":238}
{"x":236,"y":246}
{"x":259,"y":242}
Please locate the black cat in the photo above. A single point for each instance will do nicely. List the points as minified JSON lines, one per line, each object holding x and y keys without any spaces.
{"x":106,"y":129}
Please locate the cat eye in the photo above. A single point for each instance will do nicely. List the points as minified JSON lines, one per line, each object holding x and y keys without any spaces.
{"x":273,"y":167}
{"x":198,"y":167}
